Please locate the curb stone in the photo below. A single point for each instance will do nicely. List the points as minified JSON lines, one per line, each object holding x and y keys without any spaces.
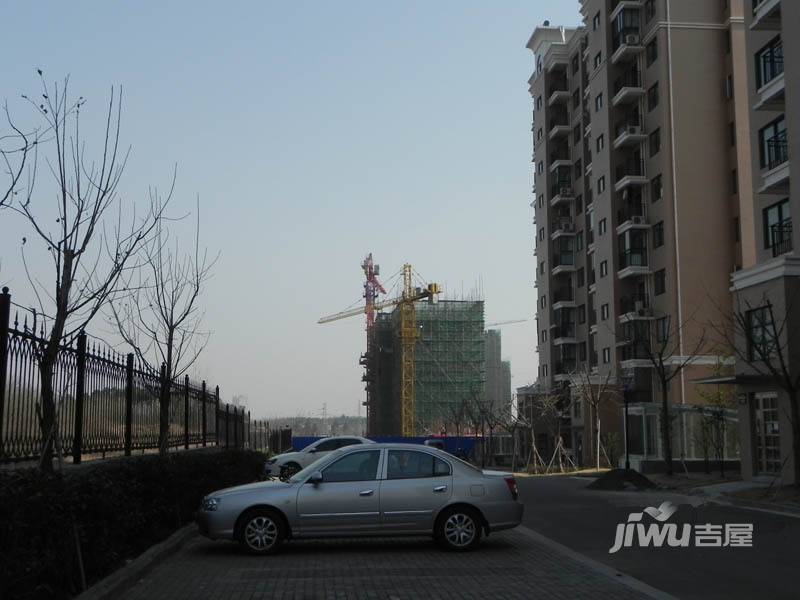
{"x":132,"y":572}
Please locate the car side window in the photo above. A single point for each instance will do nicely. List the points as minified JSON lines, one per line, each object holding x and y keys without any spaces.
{"x":327,"y":446}
{"x":409,"y":464}
{"x":348,"y":442}
{"x":356,"y":466}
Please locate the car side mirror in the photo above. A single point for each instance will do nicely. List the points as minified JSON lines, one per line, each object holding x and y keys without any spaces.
{"x":316,"y":478}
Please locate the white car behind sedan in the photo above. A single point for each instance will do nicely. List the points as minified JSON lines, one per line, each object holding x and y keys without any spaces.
{"x":287,"y":464}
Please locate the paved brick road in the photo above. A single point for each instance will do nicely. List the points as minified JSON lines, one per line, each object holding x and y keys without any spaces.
{"x":508,"y":565}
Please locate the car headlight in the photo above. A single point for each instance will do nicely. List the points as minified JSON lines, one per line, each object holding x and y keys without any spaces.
{"x":210,"y":504}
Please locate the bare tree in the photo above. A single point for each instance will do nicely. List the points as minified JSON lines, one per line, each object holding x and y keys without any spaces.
{"x":660,"y":342}
{"x":761,"y":340}
{"x":161,"y":317}
{"x":596,"y":391}
{"x":713,"y":421}
{"x":91,"y":238}
{"x":15,"y":146}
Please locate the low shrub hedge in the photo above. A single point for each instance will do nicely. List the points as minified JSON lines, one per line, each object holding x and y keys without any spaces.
{"x":120,"y":507}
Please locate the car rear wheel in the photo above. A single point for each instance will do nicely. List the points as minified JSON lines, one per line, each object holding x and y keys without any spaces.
{"x":288,"y":470}
{"x":458,"y":529}
{"x":261,"y":531}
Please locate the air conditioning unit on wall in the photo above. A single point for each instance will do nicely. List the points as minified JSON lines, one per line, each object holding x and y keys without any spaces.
{"x":632,"y":39}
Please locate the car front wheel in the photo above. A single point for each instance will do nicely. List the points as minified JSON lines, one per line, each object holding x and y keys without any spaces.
{"x":261,"y":531}
{"x":458,"y":529}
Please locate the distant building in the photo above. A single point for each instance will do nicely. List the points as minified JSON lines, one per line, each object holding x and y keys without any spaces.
{"x":498,"y":374}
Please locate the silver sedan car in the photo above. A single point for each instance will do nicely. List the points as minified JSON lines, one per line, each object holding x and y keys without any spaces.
{"x":367,"y":490}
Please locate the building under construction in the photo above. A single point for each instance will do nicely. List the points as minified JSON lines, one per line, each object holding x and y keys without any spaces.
{"x":449,"y":365}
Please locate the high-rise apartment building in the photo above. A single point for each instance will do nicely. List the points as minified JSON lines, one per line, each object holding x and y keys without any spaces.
{"x":767,"y":289}
{"x":637,"y":200}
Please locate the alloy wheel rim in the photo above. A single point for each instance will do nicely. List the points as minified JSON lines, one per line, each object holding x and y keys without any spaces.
{"x":261,"y":533}
{"x":459,"y":529}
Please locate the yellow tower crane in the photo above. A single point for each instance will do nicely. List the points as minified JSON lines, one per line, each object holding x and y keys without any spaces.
{"x":408,"y":338}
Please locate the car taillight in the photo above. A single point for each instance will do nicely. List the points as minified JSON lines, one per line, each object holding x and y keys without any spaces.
{"x":512,"y":487}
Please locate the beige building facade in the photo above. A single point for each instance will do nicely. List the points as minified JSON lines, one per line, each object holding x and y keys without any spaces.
{"x":642,"y":212}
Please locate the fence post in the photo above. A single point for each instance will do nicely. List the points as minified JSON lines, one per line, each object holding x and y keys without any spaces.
{"x":5,"y":315}
{"x":80,"y":388}
{"x":227,"y":429}
{"x":186,"y":412}
{"x":128,"y":404}
{"x":216,"y":415}
{"x":203,"y":404}
{"x":236,"y":419}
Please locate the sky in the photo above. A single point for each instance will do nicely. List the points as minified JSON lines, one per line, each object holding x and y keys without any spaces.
{"x":313,"y":133}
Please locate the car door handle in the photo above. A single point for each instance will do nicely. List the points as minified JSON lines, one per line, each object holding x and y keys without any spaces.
{"x":440,"y":488}
{"x":366,"y":492}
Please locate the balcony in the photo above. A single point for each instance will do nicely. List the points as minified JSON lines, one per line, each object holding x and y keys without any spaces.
{"x":559,"y":126}
{"x":563,"y":263}
{"x":633,"y":356}
{"x":775,"y":176}
{"x":561,"y":192}
{"x":628,"y":133}
{"x":620,"y":5}
{"x":564,"y":298}
{"x":563,"y":333}
{"x":634,"y":307}
{"x":564,"y":367}
{"x":560,"y":159}
{"x":631,"y":216}
{"x":628,"y":88}
{"x":627,"y":45}
{"x":631,"y":172}
{"x":564,"y":226}
{"x":559,"y":92}
{"x":771,"y":92}
{"x":766,"y":15}
{"x":632,"y":262}
{"x":781,"y":238}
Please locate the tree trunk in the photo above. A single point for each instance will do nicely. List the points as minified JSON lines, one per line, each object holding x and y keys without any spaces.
{"x":666,"y":442}
{"x":597,"y":415}
{"x":48,"y":410}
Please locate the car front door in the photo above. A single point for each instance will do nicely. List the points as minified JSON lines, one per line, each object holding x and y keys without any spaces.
{"x":416,"y":486}
{"x":346,"y":501}
{"x":318,"y":450}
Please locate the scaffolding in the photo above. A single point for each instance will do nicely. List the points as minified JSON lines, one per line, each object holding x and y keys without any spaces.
{"x":449,"y":360}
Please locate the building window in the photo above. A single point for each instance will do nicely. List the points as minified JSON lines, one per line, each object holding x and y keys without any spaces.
{"x":662,"y":329}
{"x":541,"y":233}
{"x":541,"y":270}
{"x":579,"y":241}
{"x":604,"y":268}
{"x":737,"y":231}
{"x":652,"y":97}
{"x":649,"y":10}
{"x":769,"y":62}
{"x":727,"y":41}
{"x":539,"y":134}
{"x":544,"y":335}
{"x":660,"y":283}
{"x":540,"y":167}
{"x":760,"y":333}
{"x":732,"y":132}
{"x":576,"y":134}
{"x":729,"y":87}
{"x":734,"y":182}
{"x":581,"y":277}
{"x":598,"y":60}
{"x":582,"y":314}
{"x":601,"y":143}
{"x":541,"y":200}
{"x":596,"y":22}
{"x":778,"y":226}
{"x":655,"y":142}
{"x":656,"y":189}
{"x":658,"y":234}
{"x":772,"y":144}
{"x":601,"y":185}
{"x":575,"y":64}
{"x":604,"y":312}
{"x":576,"y":99}
{"x":651,"y":52}
{"x":606,"y":355}
{"x":578,"y":204}
{"x":582,"y":358}
{"x":538,"y":103}
{"x":544,"y":370}
{"x":598,"y":102}
{"x":543,"y":301}
{"x":602,"y":225}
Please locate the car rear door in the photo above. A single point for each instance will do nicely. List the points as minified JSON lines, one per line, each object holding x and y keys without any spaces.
{"x":417,"y":485}
{"x":346,"y":502}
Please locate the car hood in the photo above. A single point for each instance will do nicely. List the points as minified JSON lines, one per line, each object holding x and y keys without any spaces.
{"x":250,"y":487}
{"x":286,"y":456}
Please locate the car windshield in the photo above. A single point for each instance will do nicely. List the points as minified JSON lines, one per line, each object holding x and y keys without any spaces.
{"x":314,"y":466}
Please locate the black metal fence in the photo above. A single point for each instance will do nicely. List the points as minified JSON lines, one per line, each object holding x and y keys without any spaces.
{"x":106,"y":402}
